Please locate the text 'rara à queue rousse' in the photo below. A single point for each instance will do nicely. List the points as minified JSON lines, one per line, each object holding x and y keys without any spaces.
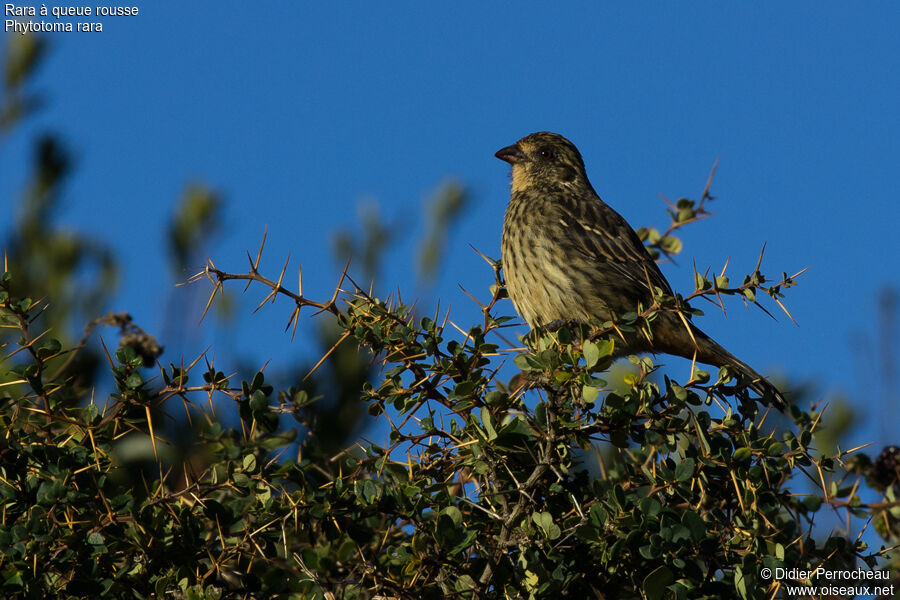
{"x":60,"y":12}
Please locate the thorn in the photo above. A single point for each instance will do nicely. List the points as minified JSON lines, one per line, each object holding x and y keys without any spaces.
{"x":106,"y":351}
{"x":763,"y":308}
{"x":619,"y":331}
{"x":688,"y":327}
{"x":709,"y":181}
{"x":649,"y":283}
{"x":786,"y":311}
{"x":330,"y":305}
{"x":294,"y":315}
{"x":800,"y":272}
{"x":480,"y":305}
{"x":446,"y":319}
{"x":196,"y":360}
{"x":341,"y":281}
{"x":327,"y":354}
{"x":300,"y":280}
{"x":252,"y":270}
{"x":296,"y":322}
{"x":852,"y":450}
{"x":489,"y":261}
{"x":281,"y":277}
{"x":669,"y":202}
{"x":152,"y":434}
{"x":261,"y":244}
{"x":209,"y":302}
{"x":266,"y":299}
{"x":459,"y":329}
{"x":759,"y":262}
{"x":721,"y":303}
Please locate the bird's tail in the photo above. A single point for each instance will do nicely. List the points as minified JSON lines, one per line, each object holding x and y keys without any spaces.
{"x":710,"y":352}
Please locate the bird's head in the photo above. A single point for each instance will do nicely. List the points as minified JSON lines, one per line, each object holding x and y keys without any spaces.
{"x":542,"y":159}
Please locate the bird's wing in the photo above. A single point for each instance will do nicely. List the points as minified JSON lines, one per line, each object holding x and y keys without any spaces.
{"x":600,"y":233}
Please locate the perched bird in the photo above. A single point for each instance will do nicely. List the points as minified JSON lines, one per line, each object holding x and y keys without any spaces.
{"x":567,"y":256}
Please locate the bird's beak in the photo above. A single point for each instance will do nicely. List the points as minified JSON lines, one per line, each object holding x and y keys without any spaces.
{"x":511,"y":154}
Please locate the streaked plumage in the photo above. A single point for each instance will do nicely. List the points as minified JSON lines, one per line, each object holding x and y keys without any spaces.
{"x":568,"y":256}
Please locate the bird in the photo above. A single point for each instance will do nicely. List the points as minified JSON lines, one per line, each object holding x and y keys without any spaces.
{"x":567,"y":256}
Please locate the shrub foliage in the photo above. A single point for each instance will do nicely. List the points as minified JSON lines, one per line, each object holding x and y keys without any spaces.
{"x":546,"y":486}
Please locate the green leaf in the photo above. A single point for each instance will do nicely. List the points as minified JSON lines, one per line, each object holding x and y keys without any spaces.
{"x":366,"y":491}
{"x":526,"y":361}
{"x":279,"y":439}
{"x":49,"y":348}
{"x":258,"y":380}
{"x":812,"y":503}
{"x":495,"y":398}
{"x":454,"y":514}
{"x":591,"y":354}
{"x":671,"y":244}
{"x":464,"y":585}
{"x":597,"y":514}
{"x":701,"y":375}
{"x":656,"y":582}
{"x":540,"y":415}
{"x":125,"y":355}
{"x":740,"y":582}
{"x":606,"y":347}
{"x":685,"y":214}
{"x":95,"y":539}
{"x":544,"y":521}
{"x":775,"y":449}
{"x":531,"y":581}
{"x":700,"y":282}
{"x":49,"y":492}
{"x":650,"y":506}
{"x":258,"y":401}
{"x":742,"y":455}
{"x":488,"y":423}
{"x":464,"y":389}
{"x":695,"y":524}
{"x":134,"y":380}
{"x":685,"y":470}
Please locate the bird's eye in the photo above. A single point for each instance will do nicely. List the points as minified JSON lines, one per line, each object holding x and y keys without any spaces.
{"x":545,"y":153}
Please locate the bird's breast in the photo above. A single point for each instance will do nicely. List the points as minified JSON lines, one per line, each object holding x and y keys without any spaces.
{"x":538,"y":279}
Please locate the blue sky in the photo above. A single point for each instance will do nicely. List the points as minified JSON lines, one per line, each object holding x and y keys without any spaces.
{"x":298,"y":112}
